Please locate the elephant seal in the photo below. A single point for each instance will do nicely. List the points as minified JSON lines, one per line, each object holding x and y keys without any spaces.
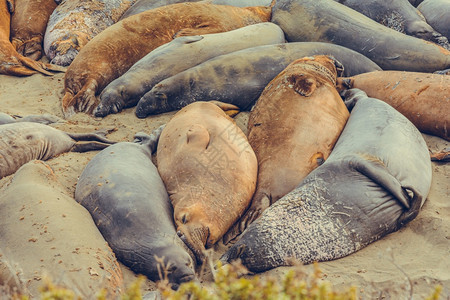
{"x":209,"y":170}
{"x":74,"y":23}
{"x":332,"y":22}
{"x":421,"y":97}
{"x":126,"y":197}
{"x":144,"y":5}
{"x":116,"y":49}
{"x":283,"y":131}
{"x":399,"y":15}
{"x":43,"y":119}
{"x":180,"y":54}
{"x":28,"y":25}
{"x":436,"y":12}
{"x":375,"y":181}
{"x":46,"y":234}
{"x":11,"y":62}
{"x":25,"y":141}
{"x":240,"y":77}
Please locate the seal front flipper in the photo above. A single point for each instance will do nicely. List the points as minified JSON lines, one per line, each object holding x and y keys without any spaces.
{"x":198,"y":136}
{"x":375,"y":169}
{"x":253,"y":212}
{"x":230,"y":109}
{"x":82,"y":101}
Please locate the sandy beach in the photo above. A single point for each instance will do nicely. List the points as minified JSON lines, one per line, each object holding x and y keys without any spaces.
{"x":411,"y":261}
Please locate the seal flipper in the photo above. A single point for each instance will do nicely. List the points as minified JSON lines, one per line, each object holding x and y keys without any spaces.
{"x":374,"y":169}
{"x":252,"y":213}
{"x":83,"y":101}
{"x":98,"y":136}
{"x":442,"y":156}
{"x":203,"y":28}
{"x":230,"y":109}
{"x":198,"y":136}
{"x":91,"y":146}
{"x":150,"y":140}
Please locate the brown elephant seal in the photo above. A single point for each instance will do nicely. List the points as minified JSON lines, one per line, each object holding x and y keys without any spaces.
{"x":436,"y":12}
{"x":421,"y":97}
{"x":47,"y":235}
{"x":209,"y":170}
{"x":127,"y":199}
{"x":116,"y":49}
{"x":399,"y":15}
{"x":240,"y":77}
{"x":28,"y":25}
{"x":74,"y":23}
{"x":43,"y":119}
{"x":180,"y":54}
{"x":11,"y":62}
{"x":374,"y":182}
{"x":25,"y":141}
{"x":341,"y":25}
{"x":283,"y":131}
{"x":144,"y":5}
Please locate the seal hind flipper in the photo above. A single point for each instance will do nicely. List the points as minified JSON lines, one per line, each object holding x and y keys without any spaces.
{"x":230,"y":109}
{"x":150,"y":140}
{"x":375,"y":169}
{"x":90,"y":146}
{"x":17,"y":71}
{"x":95,"y":136}
{"x":203,"y":28}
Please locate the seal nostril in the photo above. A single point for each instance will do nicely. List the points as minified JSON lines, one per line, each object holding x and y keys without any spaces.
{"x":179,"y":233}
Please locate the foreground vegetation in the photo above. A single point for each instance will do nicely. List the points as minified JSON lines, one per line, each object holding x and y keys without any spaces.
{"x":229,"y":285}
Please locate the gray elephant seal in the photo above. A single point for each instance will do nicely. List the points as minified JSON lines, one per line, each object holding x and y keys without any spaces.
{"x":43,"y":119}
{"x":46,"y":234}
{"x":240,"y":77}
{"x":25,"y":141}
{"x":341,"y":25}
{"x":436,"y":12}
{"x":177,"y":56}
{"x":399,"y":15}
{"x":375,"y":181}
{"x":127,"y":199}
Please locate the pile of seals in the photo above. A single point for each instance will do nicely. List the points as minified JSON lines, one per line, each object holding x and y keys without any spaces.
{"x":314,"y":179}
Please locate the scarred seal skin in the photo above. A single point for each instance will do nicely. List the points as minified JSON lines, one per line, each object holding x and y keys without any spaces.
{"x":240,"y":77}
{"x":209,"y":170}
{"x":332,"y":22}
{"x":47,"y":235}
{"x":283,"y":131}
{"x":421,"y":97}
{"x":180,"y":54}
{"x":374,"y":182}
{"x":399,"y":15}
{"x":28,"y":25}
{"x":24,"y":141}
{"x":116,"y":49}
{"x":127,"y":199}
{"x":11,"y":62}
{"x":436,"y":12}
{"x":75,"y":22}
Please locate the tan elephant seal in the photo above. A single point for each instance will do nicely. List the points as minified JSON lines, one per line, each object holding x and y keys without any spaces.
{"x":421,"y":97}
{"x":47,"y":234}
{"x":292,"y":129}
{"x":209,"y":170}
{"x":28,"y":25}
{"x":11,"y":62}
{"x":111,"y":53}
